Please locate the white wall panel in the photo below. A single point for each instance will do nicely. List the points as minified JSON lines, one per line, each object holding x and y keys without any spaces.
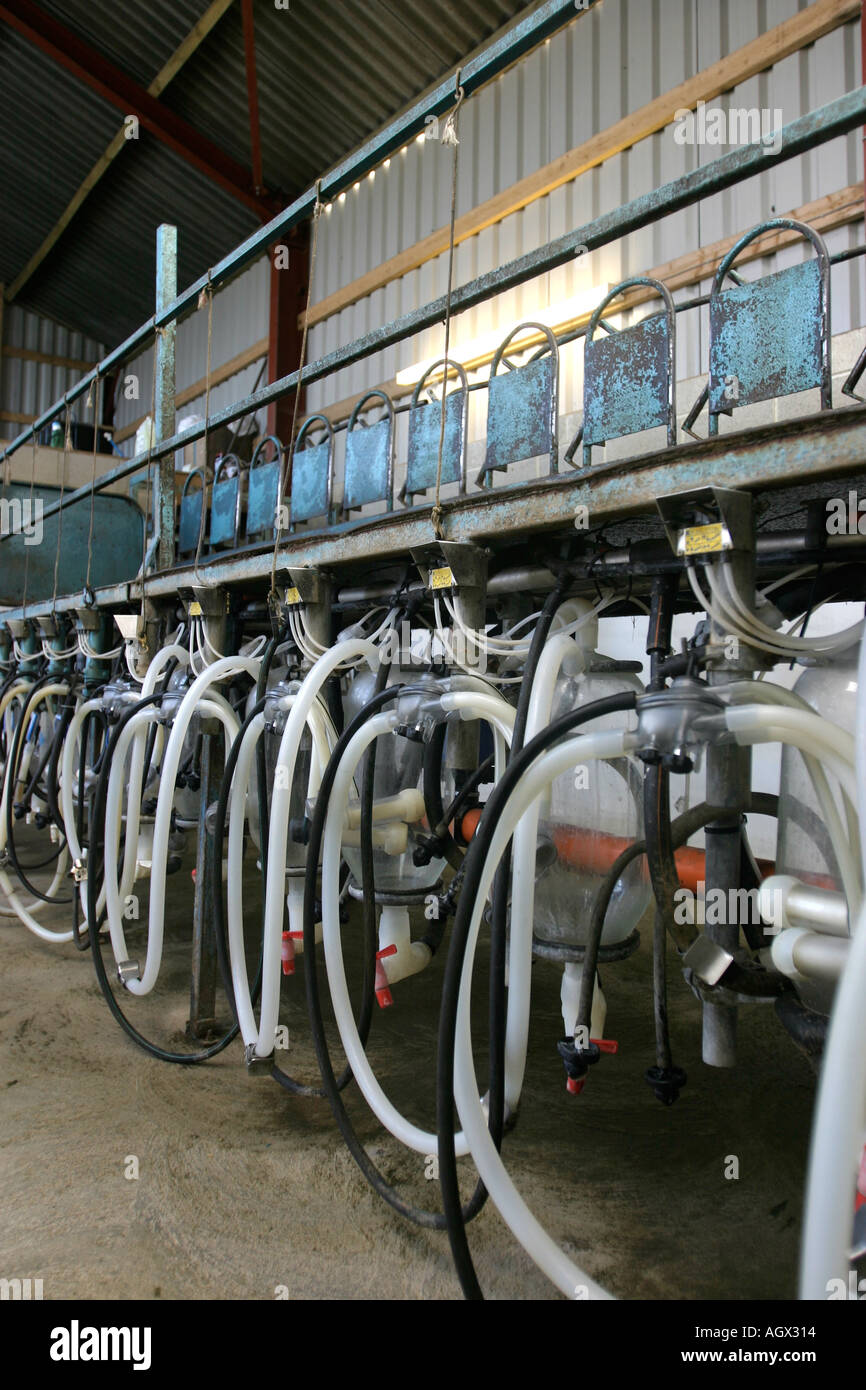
{"x":611,"y":61}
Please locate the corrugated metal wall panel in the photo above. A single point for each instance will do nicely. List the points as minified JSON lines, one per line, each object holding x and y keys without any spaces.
{"x":240,"y":319}
{"x":612,"y":61}
{"x":28,"y":388}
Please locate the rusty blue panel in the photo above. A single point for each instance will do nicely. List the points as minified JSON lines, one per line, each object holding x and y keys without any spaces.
{"x":766,"y":338}
{"x":425,"y":423}
{"x":190,"y":520}
{"x":368,"y":473}
{"x":225,"y":511}
{"x":626,"y":381}
{"x":519,"y":409}
{"x":310,"y":473}
{"x":263,"y":484}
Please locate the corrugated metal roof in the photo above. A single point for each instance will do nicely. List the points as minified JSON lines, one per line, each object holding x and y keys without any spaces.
{"x":330,"y":73}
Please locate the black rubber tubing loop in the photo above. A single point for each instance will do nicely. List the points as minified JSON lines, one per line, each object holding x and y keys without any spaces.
{"x":44,"y":768}
{"x":427,"y":1219}
{"x":162,"y":1055}
{"x":470,"y":786}
{"x":448,"y":1178}
{"x":20,"y":726}
{"x":475,"y":861}
{"x":35,"y":776}
{"x":659,"y":851}
{"x":682,"y":829}
{"x":11,"y":778}
{"x":67,"y":714}
{"x":434,"y":749}
{"x":82,"y":939}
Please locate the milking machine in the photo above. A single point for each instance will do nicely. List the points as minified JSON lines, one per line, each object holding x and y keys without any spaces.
{"x":403,"y":768}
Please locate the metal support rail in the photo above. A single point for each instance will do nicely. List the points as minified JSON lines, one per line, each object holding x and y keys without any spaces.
{"x":520,"y":39}
{"x":836,"y":118}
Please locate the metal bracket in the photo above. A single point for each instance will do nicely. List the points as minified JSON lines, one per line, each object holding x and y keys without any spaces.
{"x":706,"y":520}
{"x":255,"y":1065}
{"x":128,"y":970}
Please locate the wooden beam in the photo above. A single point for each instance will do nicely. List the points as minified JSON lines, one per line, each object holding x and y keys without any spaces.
{"x":288,"y":295}
{"x":49,"y":466}
{"x":184,"y":51}
{"x":113,"y":85}
{"x":761,"y":53}
{"x":50,"y":359}
{"x":190,"y":393}
{"x":833,"y":210}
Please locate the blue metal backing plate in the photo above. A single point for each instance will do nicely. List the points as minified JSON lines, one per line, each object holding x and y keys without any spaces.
{"x":767,"y":334}
{"x":425,"y":423}
{"x":367,"y":464}
{"x":263,"y":483}
{"x":224,"y":511}
{"x":626,"y":381}
{"x":118,"y":543}
{"x":310,"y":481}
{"x":190,"y":521}
{"x":519,"y":410}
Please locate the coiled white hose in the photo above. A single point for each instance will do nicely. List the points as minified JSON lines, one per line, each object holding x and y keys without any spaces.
{"x":471,"y":705}
{"x":324,"y":737}
{"x":351,"y":650}
{"x":840,"y":1109}
{"x":568,"y":1277}
{"x":189,"y":705}
{"x":24,"y":911}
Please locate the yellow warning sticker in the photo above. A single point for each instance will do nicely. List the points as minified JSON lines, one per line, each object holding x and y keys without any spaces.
{"x":292,"y":596}
{"x":195,"y":609}
{"x":703,"y":540}
{"x":442,"y":578}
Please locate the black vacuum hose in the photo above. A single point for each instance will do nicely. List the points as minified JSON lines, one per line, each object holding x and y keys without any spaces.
{"x":474,"y":865}
{"x":429,"y":1220}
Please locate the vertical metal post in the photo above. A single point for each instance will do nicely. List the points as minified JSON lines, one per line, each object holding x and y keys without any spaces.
{"x":729,"y":782}
{"x":469,"y":566}
{"x":209,"y":855}
{"x":164,"y":396}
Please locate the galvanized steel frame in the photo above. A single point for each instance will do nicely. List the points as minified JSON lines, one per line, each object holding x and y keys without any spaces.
{"x":774,"y":457}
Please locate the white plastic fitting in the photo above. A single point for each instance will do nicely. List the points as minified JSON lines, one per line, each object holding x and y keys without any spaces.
{"x":569,"y":995}
{"x":410,"y":956}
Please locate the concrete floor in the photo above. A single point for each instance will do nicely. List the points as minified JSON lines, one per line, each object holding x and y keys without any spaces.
{"x":244,"y":1190}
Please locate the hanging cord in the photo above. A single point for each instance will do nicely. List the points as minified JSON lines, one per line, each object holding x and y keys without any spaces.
{"x":449,"y":137}
{"x":93,"y":402}
{"x":150,"y":442}
{"x":317,"y":212}
{"x":67,"y":445}
{"x":205,"y":296}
